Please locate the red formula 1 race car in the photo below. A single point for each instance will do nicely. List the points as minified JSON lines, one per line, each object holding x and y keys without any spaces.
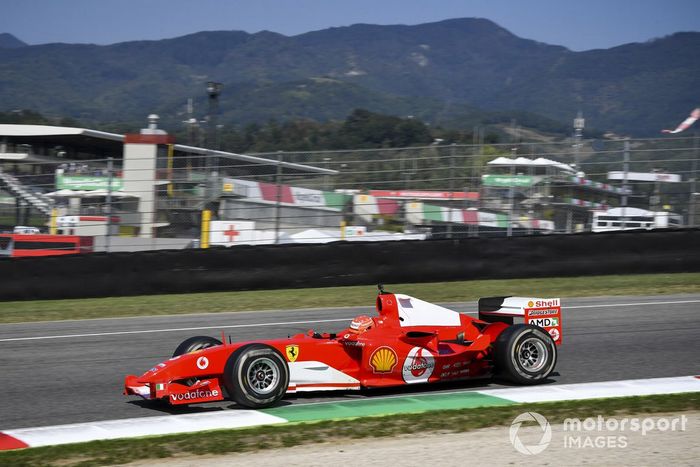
{"x":410,"y":342}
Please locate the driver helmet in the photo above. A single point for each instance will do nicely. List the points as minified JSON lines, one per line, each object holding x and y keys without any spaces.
{"x":361,"y":324}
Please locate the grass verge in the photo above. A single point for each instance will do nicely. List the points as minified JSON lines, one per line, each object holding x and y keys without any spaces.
{"x":271,"y":437}
{"x":150,"y":305}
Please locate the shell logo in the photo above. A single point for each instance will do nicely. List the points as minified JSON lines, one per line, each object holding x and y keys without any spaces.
{"x":383,"y":360}
{"x":530,"y":304}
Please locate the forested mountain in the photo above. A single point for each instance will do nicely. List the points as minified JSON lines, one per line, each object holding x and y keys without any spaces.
{"x":8,"y":41}
{"x":441,"y":72}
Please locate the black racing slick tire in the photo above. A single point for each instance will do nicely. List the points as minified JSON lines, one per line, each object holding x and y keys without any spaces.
{"x":525,"y":354}
{"x":195,"y":343}
{"x":256,"y":376}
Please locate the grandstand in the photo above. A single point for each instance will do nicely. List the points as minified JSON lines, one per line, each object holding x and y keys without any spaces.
{"x":152,"y":187}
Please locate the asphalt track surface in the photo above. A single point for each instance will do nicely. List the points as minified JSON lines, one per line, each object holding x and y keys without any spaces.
{"x":72,"y":371}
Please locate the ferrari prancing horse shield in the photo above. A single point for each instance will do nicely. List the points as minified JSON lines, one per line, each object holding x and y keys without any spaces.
{"x":292,"y":352}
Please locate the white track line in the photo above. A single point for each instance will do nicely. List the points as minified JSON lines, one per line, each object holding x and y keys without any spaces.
{"x":151,"y":331}
{"x":233,"y":326}
{"x":607,"y":305}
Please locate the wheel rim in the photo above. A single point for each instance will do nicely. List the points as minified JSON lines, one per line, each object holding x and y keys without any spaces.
{"x":263,"y":375}
{"x":532,"y":354}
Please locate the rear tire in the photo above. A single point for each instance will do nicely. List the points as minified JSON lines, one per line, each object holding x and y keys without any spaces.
{"x":256,"y":376}
{"x":195,"y":343}
{"x":525,"y":354}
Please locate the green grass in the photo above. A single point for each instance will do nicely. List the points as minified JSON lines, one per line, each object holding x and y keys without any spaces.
{"x":270,"y":437}
{"x":149,"y":305}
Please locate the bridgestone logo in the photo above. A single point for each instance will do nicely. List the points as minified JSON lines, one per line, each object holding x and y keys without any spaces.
{"x":198,"y":394}
{"x":542,"y":312}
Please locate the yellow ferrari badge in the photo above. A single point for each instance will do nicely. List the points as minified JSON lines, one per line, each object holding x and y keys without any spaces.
{"x":292,"y":352}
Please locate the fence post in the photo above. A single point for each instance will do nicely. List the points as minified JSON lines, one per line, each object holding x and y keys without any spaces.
{"x":278,"y":191}
{"x":451,"y":185}
{"x":625,"y":168}
{"x":108,"y":201}
{"x":475,"y":182}
{"x":511,"y":200}
{"x":692,"y":199}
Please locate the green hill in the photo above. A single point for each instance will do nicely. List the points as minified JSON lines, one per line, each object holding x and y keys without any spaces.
{"x":442,"y":72}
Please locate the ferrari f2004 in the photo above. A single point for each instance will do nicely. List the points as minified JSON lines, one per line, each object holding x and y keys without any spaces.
{"x":410,"y":341}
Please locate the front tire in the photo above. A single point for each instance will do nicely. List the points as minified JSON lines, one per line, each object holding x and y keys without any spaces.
{"x":525,"y":354}
{"x":256,"y":376}
{"x":195,"y":343}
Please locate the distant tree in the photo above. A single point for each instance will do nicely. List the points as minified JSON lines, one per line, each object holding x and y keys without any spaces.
{"x":24,"y":116}
{"x":363,"y":128}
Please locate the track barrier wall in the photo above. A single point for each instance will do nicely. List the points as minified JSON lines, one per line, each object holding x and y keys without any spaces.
{"x":348,"y":263}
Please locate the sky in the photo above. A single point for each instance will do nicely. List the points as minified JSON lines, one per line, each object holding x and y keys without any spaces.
{"x":578,"y":25}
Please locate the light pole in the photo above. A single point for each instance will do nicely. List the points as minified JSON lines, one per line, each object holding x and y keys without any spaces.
{"x":213,"y":91}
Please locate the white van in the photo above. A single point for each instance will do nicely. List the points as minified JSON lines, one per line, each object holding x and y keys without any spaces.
{"x":21,"y":229}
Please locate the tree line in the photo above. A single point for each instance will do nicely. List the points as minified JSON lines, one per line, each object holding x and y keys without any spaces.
{"x":361,"y":129}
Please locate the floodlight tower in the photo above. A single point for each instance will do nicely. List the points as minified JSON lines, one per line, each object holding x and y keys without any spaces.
{"x":213,"y":91}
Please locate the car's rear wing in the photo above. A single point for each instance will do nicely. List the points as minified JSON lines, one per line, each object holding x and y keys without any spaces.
{"x":542,"y":312}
